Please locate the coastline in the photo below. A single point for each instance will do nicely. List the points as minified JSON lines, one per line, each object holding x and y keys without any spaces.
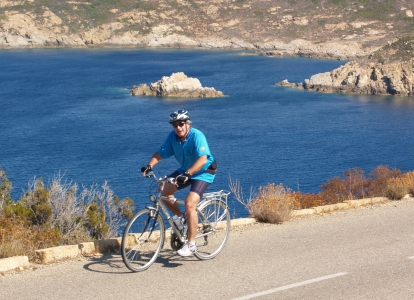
{"x":296,"y":48}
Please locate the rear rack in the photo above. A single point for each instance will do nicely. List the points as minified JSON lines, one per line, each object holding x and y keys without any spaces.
{"x":220,"y":195}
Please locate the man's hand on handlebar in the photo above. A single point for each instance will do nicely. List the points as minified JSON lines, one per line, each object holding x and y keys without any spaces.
{"x":146,"y":169}
{"x":182,"y":178}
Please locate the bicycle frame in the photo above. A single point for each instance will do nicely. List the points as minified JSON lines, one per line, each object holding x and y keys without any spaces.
{"x":158,"y":200}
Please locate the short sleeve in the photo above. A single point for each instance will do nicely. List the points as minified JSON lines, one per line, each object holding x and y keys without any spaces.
{"x":166,"y":149}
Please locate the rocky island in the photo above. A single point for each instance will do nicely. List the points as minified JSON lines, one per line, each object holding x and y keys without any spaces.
{"x":176,"y":85}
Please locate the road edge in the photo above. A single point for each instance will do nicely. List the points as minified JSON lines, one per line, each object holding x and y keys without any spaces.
{"x":62,"y":253}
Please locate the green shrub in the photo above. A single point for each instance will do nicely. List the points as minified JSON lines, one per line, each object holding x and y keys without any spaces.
{"x":34,"y":206}
{"x":145,"y":6}
{"x":337,"y":2}
{"x":377,"y":10}
{"x":95,"y":221}
{"x":258,"y":14}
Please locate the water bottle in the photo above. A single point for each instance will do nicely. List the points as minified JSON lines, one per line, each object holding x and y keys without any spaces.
{"x":177,"y":221}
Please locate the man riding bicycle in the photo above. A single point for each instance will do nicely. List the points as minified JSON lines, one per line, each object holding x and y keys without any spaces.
{"x":189,"y":146}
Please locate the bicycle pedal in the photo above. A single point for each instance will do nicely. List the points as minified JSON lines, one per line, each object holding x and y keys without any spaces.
{"x":207,"y":229}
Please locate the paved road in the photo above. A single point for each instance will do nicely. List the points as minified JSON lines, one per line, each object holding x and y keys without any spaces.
{"x":367,"y":253}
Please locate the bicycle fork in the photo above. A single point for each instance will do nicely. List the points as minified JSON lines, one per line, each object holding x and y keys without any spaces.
{"x":153,"y":215}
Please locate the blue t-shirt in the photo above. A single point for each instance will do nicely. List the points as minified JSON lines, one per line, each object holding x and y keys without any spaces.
{"x":188,"y":151}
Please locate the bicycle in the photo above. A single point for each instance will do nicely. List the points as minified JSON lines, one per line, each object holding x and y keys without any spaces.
{"x":145,"y":233}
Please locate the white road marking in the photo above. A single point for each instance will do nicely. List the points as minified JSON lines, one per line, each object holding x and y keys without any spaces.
{"x":290,"y":286}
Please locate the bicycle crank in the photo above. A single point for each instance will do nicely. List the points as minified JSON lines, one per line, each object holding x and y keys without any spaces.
{"x":175,"y":242}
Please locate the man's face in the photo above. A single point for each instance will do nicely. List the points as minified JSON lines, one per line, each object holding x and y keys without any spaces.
{"x":181,"y":128}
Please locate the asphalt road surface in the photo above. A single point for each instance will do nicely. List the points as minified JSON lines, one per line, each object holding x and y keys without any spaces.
{"x":365,"y":253}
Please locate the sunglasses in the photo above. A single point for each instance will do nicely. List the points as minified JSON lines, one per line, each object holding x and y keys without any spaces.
{"x":181,"y":124}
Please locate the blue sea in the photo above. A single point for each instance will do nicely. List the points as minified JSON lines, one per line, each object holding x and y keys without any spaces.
{"x":69,"y":112}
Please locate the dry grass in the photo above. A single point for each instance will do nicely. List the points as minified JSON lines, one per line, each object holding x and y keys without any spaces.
{"x":273,"y":204}
{"x":16,"y":238}
{"x":400,"y":186}
{"x":302,"y":201}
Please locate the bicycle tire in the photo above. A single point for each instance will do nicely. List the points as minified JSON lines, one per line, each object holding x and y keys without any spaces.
{"x":143,"y":239}
{"x":213,"y":229}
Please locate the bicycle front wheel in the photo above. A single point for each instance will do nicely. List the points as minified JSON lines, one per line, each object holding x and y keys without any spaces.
{"x":213,"y":228}
{"x":143,"y":239}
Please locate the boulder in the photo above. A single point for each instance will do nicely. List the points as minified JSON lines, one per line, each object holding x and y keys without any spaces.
{"x":176,"y":85}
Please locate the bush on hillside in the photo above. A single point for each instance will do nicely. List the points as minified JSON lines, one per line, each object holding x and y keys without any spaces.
{"x":396,"y":191}
{"x":355,"y":185}
{"x":307,"y":200}
{"x":272,"y":204}
{"x":274,"y":201}
{"x":380,"y":178}
{"x":58,"y":214}
{"x":16,"y":238}
{"x":399,"y":186}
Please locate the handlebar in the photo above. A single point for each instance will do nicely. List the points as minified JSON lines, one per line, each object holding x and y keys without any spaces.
{"x":220,"y":195}
{"x":171,"y":180}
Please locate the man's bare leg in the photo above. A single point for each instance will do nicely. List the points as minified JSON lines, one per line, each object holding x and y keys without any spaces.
{"x":169,"y":191}
{"x":190,"y":207}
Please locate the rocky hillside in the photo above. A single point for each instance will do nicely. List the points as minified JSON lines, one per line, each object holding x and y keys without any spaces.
{"x":369,"y":31}
{"x":332,"y":28}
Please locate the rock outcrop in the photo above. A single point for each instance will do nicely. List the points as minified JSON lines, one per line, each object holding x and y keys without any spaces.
{"x":177,"y":85}
{"x":374,"y":78}
{"x":26,"y":31}
{"x":332,"y":50}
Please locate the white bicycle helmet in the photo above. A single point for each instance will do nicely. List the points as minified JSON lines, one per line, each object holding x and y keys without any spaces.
{"x":179,"y":115}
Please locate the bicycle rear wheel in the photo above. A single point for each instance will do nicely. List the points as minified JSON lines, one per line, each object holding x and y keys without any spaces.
{"x":142,"y":240}
{"x":213,"y":229}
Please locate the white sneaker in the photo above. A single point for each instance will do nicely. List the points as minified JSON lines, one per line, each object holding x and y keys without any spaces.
{"x":188,"y":249}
